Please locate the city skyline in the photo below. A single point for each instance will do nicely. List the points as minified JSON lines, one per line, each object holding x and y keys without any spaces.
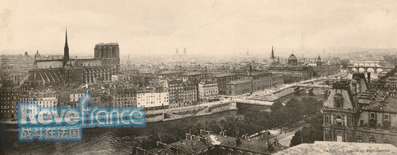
{"x":205,"y":27}
{"x":198,"y":77}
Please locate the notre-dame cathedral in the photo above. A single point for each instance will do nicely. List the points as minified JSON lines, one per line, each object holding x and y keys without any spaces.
{"x":67,"y":70}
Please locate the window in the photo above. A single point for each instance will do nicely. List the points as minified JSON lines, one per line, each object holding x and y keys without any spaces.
{"x":372,"y":120}
{"x":386,"y":117}
{"x":372,"y":139}
{"x":339,"y":120}
{"x":339,"y":139}
{"x":327,"y":120}
{"x":338,"y":101}
{"x":386,"y":121}
{"x":372,"y":116}
{"x":359,"y":138}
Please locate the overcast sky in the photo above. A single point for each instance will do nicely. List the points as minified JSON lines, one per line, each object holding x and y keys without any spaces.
{"x":201,"y":26}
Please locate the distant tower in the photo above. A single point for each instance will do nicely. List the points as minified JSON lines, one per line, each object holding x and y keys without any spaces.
{"x":272,"y":55}
{"x":66,"y":49}
{"x":109,"y":54}
{"x":250,"y":69}
{"x":318,"y":61}
{"x":37,"y":54}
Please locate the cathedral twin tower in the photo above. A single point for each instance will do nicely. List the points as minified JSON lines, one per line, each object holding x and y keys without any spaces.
{"x":108,"y":53}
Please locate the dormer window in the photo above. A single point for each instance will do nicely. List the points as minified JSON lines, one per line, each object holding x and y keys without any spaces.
{"x":339,"y":121}
{"x":386,"y":121}
{"x":372,"y":116}
{"x":338,"y":101}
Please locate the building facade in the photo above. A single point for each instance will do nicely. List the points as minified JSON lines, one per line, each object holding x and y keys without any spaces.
{"x":9,"y":97}
{"x":223,"y":79}
{"x":14,"y":69}
{"x":239,"y":87}
{"x":339,"y":114}
{"x":182,"y":93}
{"x":261,"y":80}
{"x":42,"y":98}
{"x":152,"y":100}
{"x":208,"y":91}
{"x":293,"y":73}
{"x":357,"y":112}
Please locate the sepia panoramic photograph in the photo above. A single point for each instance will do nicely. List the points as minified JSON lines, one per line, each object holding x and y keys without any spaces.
{"x":198,"y":77}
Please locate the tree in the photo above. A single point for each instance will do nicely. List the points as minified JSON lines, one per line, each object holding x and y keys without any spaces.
{"x":296,"y":139}
{"x":345,"y":63}
{"x":213,"y":126}
{"x":276,"y":106}
{"x":310,"y":133}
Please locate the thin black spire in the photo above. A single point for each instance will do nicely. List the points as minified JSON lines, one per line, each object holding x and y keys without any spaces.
{"x":66,"y":37}
{"x":66,"y":49}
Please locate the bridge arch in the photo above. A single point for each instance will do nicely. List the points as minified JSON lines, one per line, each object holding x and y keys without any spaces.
{"x":371,"y":70}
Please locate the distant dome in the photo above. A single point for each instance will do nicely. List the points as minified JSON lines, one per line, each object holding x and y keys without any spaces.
{"x":292,"y":57}
{"x":292,"y":60}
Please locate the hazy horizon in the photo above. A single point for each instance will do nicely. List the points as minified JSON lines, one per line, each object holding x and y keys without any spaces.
{"x":207,"y":27}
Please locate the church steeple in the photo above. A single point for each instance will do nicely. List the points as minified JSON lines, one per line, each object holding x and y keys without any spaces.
{"x":66,"y":49}
{"x":272,"y":55}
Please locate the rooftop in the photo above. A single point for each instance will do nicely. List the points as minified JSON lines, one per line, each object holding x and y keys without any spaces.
{"x":101,"y":44}
{"x":192,"y":73}
{"x":223,"y":74}
{"x":239,"y":81}
{"x":389,"y":105}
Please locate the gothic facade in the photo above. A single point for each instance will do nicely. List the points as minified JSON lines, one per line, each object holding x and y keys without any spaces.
{"x":66,"y":70}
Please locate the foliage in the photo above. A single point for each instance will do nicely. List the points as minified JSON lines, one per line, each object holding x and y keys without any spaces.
{"x":310,"y":133}
{"x":296,"y":109}
{"x":345,"y":63}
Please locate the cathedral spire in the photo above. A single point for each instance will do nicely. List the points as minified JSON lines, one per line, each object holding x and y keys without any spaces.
{"x":66,"y":49}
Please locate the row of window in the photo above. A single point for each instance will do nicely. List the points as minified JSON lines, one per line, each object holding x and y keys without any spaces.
{"x":372,"y":116}
{"x":6,"y":107}
{"x":7,"y":111}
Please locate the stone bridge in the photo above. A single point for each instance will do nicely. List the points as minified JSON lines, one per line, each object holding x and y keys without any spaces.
{"x":367,"y":66}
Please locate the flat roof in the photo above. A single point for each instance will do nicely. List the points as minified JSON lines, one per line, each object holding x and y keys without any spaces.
{"x":223,"y":74}
{"x":239,"y":81}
